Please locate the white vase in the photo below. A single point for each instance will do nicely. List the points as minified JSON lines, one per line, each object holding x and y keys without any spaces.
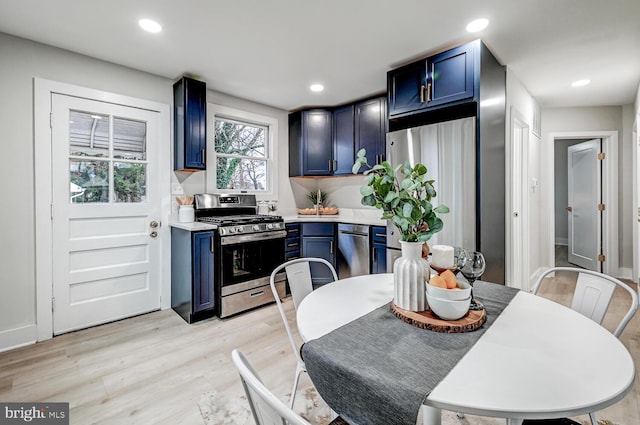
{"x":408,"y":278}
{"x":186,"y":214}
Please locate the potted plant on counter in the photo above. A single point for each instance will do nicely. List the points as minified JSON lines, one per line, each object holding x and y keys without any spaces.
{"x":404,"y":195}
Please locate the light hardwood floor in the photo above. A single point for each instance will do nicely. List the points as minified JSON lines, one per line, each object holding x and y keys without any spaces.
{"x":152,"y":369}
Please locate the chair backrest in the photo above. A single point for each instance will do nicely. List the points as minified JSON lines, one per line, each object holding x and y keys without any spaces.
{"x":593,"y":294}
{"x":300,"y":283}
{"x":267,"y":409}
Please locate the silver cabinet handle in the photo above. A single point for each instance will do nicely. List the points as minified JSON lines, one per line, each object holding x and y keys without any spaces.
{"x":153,"y":234}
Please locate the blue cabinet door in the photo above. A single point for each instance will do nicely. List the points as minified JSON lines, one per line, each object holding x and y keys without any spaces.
{"x":343,"y":141}
{"x":378,"y":258}
{"x":378,"y":249}
{"x":451,"y":75}
{"x":203,"y":269}
{"x":406,"y":88}
{"x":321,"y":247}
{"x":370,"y":129}
{"x":317,"y":142}
{"x":190,"y":124}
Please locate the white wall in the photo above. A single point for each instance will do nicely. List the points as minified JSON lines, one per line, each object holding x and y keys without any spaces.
{"x":520,"y":101}
{"x":21,"y":62}
{"x":604,"y":118}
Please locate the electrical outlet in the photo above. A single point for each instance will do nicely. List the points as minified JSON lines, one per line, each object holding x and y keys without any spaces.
{"x":176,"y":189}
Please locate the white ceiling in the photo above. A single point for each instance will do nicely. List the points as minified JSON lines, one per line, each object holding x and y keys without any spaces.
{"x":270,"y":51}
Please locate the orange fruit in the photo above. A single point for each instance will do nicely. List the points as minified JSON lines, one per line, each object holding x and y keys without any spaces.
{"x":438,"y":281}
{"x":449,"y":278}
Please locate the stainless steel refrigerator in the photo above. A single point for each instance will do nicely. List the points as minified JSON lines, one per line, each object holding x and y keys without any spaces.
{"x":448,"y":150}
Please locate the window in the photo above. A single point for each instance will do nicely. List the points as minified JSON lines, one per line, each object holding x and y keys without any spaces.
{"x":242,"y":149}
{"x":241,"y":155}
{"x":107,"y":158}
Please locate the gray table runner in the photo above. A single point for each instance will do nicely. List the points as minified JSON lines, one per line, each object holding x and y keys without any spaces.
{"x":378,"y":369}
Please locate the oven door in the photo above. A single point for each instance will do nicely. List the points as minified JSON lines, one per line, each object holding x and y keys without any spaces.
{"x":248,"y":257}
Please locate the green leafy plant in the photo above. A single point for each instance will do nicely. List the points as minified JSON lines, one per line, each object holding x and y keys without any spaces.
{"x":313,"y":197}
{"x":406,"y":202}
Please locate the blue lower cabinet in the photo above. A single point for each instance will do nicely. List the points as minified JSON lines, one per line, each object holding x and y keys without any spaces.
{"x":378,"y":249}
{"x":192,"y":274}
{"x":319,"y":240}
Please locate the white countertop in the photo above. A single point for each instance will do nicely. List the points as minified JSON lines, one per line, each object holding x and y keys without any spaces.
{"x":367,"y":217}
{"x":193,"y":226}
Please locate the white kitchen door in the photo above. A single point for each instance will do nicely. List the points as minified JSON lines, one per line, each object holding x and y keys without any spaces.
{"x":105,"y":212}
{"x":584,"y":194}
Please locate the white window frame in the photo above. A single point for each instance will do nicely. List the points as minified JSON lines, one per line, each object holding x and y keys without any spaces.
{"x":225,"y":112}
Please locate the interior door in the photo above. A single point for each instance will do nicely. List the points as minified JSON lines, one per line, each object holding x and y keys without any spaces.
{"x":105,"y":212}
{"x":584,"y":194}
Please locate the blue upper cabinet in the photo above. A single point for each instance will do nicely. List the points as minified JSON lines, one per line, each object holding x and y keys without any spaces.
{"x":441,"y":80}
{"x":310,"y":143}
{"x":323,"y":142}
{"x":190,"y":124}
{"x":451,"y":76}
{"x":343,"y":140}
{"x":406,"y":88}
{"x":371,"y":129}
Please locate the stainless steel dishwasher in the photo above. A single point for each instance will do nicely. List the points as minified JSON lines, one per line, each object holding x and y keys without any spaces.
{"x":353,"y":250}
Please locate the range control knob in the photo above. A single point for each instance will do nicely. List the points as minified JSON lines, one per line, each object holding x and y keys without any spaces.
{"x":239,"y":229}
{"x":269,"y":225}
{"x":232,"y":230}
{"x":256,"y":227}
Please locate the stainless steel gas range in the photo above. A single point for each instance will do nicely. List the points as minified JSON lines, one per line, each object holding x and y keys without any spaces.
{"x":248,"y":247}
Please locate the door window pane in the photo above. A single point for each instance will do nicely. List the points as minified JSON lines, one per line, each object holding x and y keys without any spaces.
{"x":121,"y":145}
{"x":129,"y":182}
{"x":129,"y":139}
{"x":88,"y":134}
{"x":89,"y":181}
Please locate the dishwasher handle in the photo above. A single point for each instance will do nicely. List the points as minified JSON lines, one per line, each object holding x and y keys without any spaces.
{"x":346,"y":232}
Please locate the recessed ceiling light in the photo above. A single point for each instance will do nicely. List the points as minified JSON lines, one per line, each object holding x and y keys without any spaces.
{"x":149,"y":25}
{"x":580,"y":83}
{"x":316,"y":87}
{"x":477,"y":25}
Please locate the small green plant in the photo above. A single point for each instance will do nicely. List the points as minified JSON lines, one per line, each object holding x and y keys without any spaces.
{"x":406,"y":202}
{"x":313,"y":197}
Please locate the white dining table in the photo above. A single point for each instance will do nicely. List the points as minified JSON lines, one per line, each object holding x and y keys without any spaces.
{"x":538,"y":360}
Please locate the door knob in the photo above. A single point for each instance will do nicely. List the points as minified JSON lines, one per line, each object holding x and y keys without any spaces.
{"x":569,"y":209}
{"x":153,"y":234}
{"x":154,"y":224}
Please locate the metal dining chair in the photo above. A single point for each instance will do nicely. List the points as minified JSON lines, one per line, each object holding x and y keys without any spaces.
{"x":267,"y":409}
{"x":300,"y":283}
{"x":591,"y":298}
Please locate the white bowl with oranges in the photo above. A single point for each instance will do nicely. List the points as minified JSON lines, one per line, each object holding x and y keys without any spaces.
{"x":448,"y":297}
{"x":447,"y":287}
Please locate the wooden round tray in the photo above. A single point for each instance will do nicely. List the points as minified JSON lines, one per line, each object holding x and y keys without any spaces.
{"x":430,"y":321}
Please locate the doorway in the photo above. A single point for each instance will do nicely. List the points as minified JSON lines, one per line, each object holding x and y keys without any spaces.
{"x":100,"y":239}
{"x":578,"y":232}
{"x":609,"y":233}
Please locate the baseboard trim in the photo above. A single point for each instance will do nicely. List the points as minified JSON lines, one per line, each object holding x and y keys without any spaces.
{"x":626,"y":273}
{"x":18,"y":337}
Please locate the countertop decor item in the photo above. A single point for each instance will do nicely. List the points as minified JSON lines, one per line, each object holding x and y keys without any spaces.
{"x":186,"y":214}
{"x":404,"y":195}
{"x":317,"y":197}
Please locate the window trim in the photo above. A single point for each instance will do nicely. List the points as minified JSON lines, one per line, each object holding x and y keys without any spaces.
{"x":271,"y":123}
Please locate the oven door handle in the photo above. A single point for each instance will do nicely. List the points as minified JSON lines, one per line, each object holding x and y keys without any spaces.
{"x":253,"y":237}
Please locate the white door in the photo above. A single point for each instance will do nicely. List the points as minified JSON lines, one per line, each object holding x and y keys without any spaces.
{"x":584,"y":195}
{"x":105,"y":212}
{"x":519,"y":253}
